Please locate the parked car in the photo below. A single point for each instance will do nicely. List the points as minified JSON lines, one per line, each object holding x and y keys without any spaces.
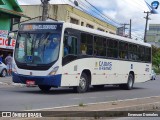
{"x":3,"y":69}
{"x":153,"y":75}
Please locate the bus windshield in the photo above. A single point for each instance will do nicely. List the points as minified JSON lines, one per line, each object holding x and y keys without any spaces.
{"x":37,"y":48}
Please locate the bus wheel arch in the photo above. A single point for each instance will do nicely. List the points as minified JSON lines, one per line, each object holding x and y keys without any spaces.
{"x":88,"y":73}
{"x":130,"y":82}
{"x":84,"y":82}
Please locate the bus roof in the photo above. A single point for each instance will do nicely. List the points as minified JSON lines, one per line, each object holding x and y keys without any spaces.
{"x":93,"y":31}
{"x":101,"y":33}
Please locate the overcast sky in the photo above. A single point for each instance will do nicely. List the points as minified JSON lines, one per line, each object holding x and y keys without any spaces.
{"x":120,"y":10}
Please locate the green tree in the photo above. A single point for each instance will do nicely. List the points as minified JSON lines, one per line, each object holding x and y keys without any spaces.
{"x":156,"y":56}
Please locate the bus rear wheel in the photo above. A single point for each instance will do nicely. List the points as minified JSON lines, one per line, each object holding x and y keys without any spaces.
{"x":83,"y":84}
{"x":44,"y":88}
{"x":129,"y":84}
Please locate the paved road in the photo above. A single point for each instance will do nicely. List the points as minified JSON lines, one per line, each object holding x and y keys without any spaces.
{"x":26,"y":98}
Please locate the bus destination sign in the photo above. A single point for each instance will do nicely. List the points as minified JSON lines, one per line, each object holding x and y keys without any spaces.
{"x":40,"y":27}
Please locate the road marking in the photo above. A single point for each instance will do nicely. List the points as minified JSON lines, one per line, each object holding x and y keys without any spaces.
{"x":90,"y":97}
{"x":76,"y":98}
{"x":91,"y":103}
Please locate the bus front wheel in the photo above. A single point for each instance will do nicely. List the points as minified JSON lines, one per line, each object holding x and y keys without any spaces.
{"x":44,"y":88}
{"x":83,"y":84}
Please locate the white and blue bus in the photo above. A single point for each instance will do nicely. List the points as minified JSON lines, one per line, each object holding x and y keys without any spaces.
{"x":59,"y":54}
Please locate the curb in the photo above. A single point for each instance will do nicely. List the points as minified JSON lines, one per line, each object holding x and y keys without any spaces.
{"x":143,"y":107}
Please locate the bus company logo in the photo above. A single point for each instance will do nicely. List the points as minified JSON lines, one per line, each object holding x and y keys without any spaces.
{"x":21,"y":115}
{"x":102,"y":65}
{"x":147,"y":68}
{"x":96,"y":66}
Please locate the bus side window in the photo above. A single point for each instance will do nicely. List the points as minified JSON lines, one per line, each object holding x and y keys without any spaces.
{"x":70,"y":45}
{"x":86,"y":47}
{"x":73,"y":48}
{"x":83,"y":49}
{"x":65,"y":46}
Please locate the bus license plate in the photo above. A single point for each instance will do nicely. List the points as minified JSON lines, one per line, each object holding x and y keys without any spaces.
{"x":30,"y":82}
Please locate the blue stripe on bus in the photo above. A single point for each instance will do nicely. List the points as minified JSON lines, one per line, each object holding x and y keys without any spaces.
{"x":54,"y":80}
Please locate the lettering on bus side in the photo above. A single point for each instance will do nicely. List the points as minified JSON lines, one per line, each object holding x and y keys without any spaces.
{"x":147,"y":68}
{"x":102,"y":65}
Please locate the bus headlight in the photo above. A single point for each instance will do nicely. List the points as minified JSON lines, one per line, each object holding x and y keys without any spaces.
{"x":14,"y":69}
{"x":53,"y":72}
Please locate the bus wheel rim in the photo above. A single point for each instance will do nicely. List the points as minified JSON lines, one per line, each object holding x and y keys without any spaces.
{"x":130,"y":81}
{"x":82,"y":83}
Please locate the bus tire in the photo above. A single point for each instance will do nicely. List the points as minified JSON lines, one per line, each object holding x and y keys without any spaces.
{"x":129,"y":84}
{"x":44,"y":88}
{"x":83,"y":84}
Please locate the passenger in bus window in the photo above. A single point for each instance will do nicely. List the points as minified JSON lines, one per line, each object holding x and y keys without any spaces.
{"x":95,"y":52}
{"x":66,"y":47}
{"x":65,"y":50}
{"x":83,"y":49}
{"x":126,"y":56}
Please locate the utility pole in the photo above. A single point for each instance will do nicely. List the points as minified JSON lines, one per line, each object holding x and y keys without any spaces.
{"x":124,"y":27}
{"x":130,"y":25}
{"x":45,"y":9}
{"x":145,"y":32}
{"x":130,"y":35}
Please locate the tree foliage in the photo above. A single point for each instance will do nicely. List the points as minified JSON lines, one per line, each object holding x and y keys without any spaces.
{"x":156,"y":56}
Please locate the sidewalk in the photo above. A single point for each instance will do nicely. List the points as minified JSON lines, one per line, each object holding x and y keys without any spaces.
{"x":137,"y":104}
{"x":7,"y":81}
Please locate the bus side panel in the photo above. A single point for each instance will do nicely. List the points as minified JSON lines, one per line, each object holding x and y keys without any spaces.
{"x":70,"y":75}
{"x":142,"y":72}
{"x":123,"y":69}
{"x":104,"y":71}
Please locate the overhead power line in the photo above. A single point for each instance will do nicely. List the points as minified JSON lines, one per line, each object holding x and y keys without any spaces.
{"x":139,"y":7}
{"x":94,"y":11}
{"x":103,"y":14}
{"x":84,"y":10}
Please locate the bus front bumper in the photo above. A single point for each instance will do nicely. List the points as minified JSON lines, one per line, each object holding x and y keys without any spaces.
{"x":54,"y":80}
